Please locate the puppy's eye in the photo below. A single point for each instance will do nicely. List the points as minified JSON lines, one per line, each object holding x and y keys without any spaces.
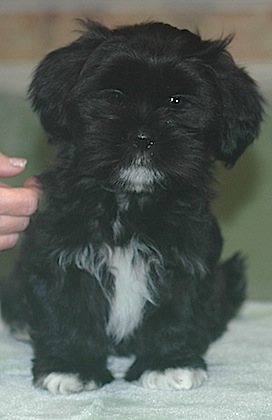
{"x":114,"y":96}
{"x":176,"y":100}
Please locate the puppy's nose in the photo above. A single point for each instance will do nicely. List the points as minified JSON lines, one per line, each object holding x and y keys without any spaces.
{"x":143,"y":141}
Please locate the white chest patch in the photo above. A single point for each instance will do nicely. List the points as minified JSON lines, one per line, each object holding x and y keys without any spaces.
{"x":134,"y":284}
{"x":131,"y":291}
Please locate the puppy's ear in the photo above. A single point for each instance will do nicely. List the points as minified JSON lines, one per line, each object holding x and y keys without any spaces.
{"x":242,"y":106}
{"x":56,"y":75}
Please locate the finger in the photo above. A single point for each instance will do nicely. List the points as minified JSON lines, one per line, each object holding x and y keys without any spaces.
{"x":10,"y":166}
{"x":8,"y":241}
{"x":10,"y":224}
{"x":33,"y":184}
{"x":4,"y":185}
{"x":18,"y":201}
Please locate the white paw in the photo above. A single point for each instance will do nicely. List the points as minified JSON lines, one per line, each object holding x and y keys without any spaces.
{"x":64,"y":383}
{"x":173,"y":378}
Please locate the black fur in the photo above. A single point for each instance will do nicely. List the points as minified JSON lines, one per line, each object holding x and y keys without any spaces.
{"x":140,"y":113}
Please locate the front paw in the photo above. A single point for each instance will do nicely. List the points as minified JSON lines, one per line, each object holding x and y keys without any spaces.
{"x":173,"y":378}
{"x":64,"y":383}
{"x":168,"y":373}
{"x":70,"y":383}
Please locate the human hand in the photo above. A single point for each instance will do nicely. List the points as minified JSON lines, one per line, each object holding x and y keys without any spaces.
{"x":16,"y":204}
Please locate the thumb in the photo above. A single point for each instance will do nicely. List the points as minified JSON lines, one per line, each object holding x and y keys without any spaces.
{"x":33,"y":184}
{"x":10,"y":166}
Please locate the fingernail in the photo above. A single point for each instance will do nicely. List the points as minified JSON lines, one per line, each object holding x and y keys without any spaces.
{"x":18,"y":162}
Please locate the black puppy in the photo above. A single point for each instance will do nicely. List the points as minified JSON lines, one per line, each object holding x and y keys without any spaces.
{"x":123,"y":256}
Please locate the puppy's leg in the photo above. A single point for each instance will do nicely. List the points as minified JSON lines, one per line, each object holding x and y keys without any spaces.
{"x":68,"y":334}
{"x":171,"y":346}
{"x":14,"y":308}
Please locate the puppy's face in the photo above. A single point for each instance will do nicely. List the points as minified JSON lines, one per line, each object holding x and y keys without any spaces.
{"x":148,"y":107}
{"x":144,"y":119}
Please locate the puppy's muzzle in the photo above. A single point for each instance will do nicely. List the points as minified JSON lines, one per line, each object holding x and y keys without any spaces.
{"x":143,"y":141}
